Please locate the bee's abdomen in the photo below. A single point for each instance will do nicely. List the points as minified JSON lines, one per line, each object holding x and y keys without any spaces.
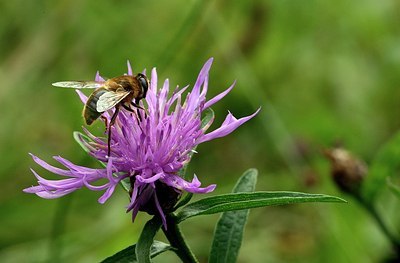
{"x":90,"y":112}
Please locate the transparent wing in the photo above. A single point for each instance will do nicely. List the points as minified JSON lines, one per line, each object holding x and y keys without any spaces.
{"x":109,"y":99}
{"x":79,"y":84}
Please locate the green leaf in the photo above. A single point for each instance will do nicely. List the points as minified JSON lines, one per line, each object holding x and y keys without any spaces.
{"x":128,"y":255}
{"x":247,"y":182}
{"x":186,"y":199}
{"x":78,"y":138}
{"x":239,"y":201}
{"x":394,"y":188}
{"x":143,"y":246}
{"x":126,"y":184}
{"x":385,"y":164}
{"x":229,"y":230}
{"x":207,"y":119}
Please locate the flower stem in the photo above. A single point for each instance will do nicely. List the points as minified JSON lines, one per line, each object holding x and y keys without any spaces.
{"x":372,"y":211}
{"x":177,"y":240}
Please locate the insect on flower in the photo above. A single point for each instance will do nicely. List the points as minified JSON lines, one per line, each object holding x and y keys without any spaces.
{"x":147,"y":154}
{"x":123,"y":91}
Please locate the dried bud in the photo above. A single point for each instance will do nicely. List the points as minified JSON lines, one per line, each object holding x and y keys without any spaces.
{"x":347,"y":171}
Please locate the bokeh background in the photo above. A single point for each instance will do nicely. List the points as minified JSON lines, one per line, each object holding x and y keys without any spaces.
{"x":322,"y":71}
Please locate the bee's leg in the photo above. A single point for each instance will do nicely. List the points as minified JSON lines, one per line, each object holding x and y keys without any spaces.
{"x":138,"y":118}
{"x":105,"y":122}
{"x":126,"y":107}
{"x":112,"y":121}
{"x":136,"y":105}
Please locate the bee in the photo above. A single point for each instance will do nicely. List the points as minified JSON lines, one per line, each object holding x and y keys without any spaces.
{"x":123,"y":91}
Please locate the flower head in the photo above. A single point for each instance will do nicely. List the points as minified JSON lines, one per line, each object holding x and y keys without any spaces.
{"x":147,"y":150}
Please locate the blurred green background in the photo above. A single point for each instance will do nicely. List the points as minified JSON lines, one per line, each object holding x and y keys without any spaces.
{"x":322,"y":71}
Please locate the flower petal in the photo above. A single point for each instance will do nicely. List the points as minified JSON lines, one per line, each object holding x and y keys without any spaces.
{"x":160,"y":211}
{"x":55,"y":194}
{"x":82,"y":96}
{"x":129,"y":68}
{"x":98,"y":77}
{"x":230,"y":124}
{"x":193,"y":187}
{"x":201,"y":78}
{"x":150,"y":179}
{"x":193,"y":100}
{"x":151,"y":96}
{"x":218,"y":97}
{"x":50,"y":167}
{"x":107,"y":194}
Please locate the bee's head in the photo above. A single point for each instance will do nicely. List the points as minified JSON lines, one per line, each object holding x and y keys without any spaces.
{"x":144,"y":84}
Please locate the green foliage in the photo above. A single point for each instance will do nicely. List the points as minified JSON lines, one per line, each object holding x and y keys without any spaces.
{"x":78,"y":136}
{"x":239,"y":201}
{"x":146,"y":239}
{"x":209,"y":116}
{"x":126,"y":184}
{"x":394,"y":188}
{"x":230,"y":227}
{"x":229,"y":230}
{"x":128,"y":254}
{"x":386,"y":164}
{"x":186,"y":199}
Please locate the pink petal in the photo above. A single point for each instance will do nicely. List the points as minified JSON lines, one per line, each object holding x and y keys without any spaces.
{"x":193,"y":187}
{"x":129,"y":68}
{"x":218,"y":97}
{"x":98,"y":77}
{"x":230,"y":124}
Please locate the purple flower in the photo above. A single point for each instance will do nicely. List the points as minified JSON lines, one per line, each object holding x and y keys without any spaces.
{"x":147,"y":150}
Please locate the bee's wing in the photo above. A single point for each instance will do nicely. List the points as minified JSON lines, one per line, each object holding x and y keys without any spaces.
{"x":109,"y":99}
{"x":79,"y":84}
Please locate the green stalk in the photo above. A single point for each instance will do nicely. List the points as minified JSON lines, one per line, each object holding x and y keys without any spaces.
{"x":372,"y":211}
{"x":177,"y":240}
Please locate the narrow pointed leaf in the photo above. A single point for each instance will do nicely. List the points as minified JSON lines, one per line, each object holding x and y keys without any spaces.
{"x":208,"y":117}
{"x":394,"y":188}
{"x":239,"y":201}
{"x":186,"y":199}
{"x":77,"y":136}
{"x":126,"y":184}
{"x":128,"y":254}
{"x":143,"y":246}
{"x":229,"y":230}
{"x":385,"y":165}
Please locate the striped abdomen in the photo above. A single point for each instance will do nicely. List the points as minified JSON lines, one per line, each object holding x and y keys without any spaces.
{"x":89,"y":111}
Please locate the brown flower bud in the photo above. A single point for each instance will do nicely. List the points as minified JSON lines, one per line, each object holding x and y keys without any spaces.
{"x":347,"y":171}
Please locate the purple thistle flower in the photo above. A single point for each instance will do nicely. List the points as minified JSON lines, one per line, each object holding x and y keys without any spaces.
{"x":147,"y":150}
